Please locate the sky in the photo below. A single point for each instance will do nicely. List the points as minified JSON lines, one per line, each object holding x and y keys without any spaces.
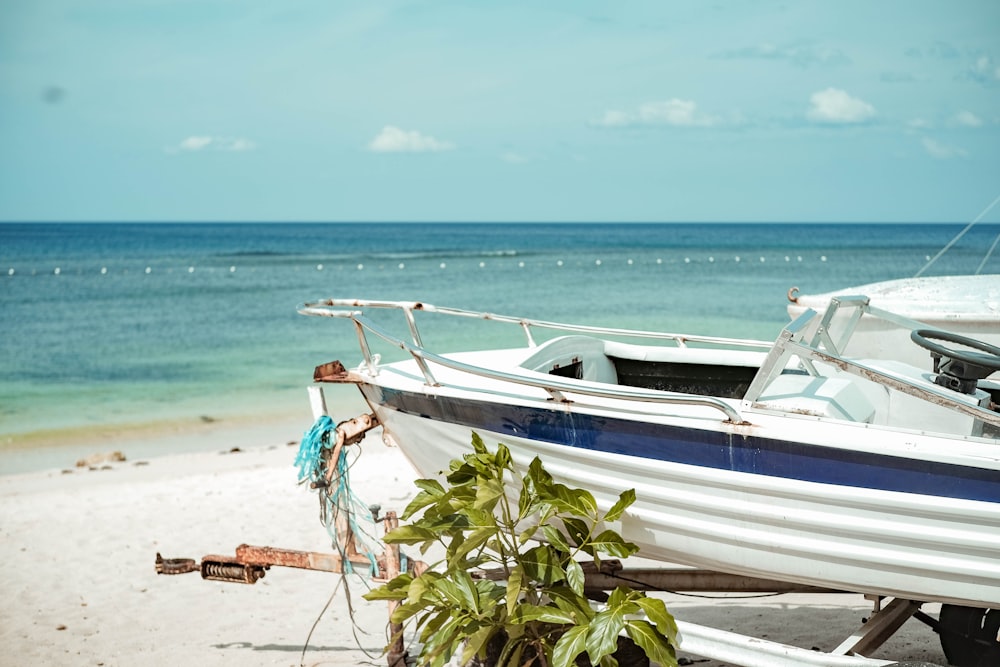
{"x":324,"y":110}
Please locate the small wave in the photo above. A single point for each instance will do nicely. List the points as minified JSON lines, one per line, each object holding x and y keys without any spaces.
{"x":442,"y":254}
{"x":255,"y":253}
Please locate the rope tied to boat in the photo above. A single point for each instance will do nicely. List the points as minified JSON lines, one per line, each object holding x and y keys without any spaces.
{"x":322,"y":461}
{"x":309,"y":457}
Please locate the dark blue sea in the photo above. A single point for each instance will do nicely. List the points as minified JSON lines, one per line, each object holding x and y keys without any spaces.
{"x":106,"y":326}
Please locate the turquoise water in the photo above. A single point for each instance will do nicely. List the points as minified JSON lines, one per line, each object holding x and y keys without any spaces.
{"x":111,"y":325}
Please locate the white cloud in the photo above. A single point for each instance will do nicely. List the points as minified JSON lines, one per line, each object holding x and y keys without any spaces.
{"x":802,"y":55}
{"x":197,"y":143}
{"x":515,"y":158}
{"x":614,"y":119}
{"x":394,"y":140}
{"x":674,"y":112}
{"x":836,"y":106}
{"x":918,"y":124}
{"x":984,"y":70}
{"x":967,"y":119}
{"x":942,"y":151}
{"x":239,"y":145}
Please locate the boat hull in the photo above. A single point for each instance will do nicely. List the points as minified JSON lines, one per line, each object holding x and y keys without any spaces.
{"x":739,"y":502}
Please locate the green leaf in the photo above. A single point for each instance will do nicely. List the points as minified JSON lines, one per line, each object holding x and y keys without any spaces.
{"x":611,"y":543}
{"x":431,"y":486}
{"x":524,"y":500}
{"x":382,"y":593}
{"x":405,"y":611}
{"x":618,"y":597}
{"x":474,"y":540}
{"x":452,"y":592}
{"x":622,"y":602}
{"x":625,"y":500}
{"x":443,"y":643}
{"x":537,"y":474}
{"x":654,"y":645}
{"x":575,"y":577}
{"x":541,"y":564}
{"x":525,"y":613}
{"x":491,"y":593}
{"x":479,"y":518}
{"x":555,"y":537}
{"x":418,"y":588}
{"x":514,"y":584}
{"x":570,"y":601}
{"x":511,"y":653}
{"x":446,"y":523}
{"x":434,"y":624}
{"x":527,"y":534}
{"x":394,"y":589}
{"x":571,"y":644}
{"x":502,"y":459}
{"x":422,"y":500}
{"x":577,"y":529}
{"x":468,"y":588}
{"x":576,"y":501}
{"x":602,"y":634}
{"x":656,"y":612}
{"x":462,"y":474}
{"x":487,"y":494}
{"x":459,"y":498}
{"x":476,"y":642}
{"x":409,"y":535}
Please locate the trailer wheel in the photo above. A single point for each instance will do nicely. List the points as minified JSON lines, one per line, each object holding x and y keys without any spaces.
{"x":970,"y":636}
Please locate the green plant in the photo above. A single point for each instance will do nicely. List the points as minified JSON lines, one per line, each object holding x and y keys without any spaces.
{"x":537,"y":613}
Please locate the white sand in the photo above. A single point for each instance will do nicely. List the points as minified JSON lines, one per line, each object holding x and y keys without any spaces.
{"x":79,"y":586}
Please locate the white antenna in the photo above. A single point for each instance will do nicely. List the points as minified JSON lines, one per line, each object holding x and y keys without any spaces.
{"x":960,"y":235}
{"x":990,"y":252}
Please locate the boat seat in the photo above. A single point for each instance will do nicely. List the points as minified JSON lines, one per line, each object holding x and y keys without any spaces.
{"x":578,"y":357}
{"x":687,"y":355}
{"x":836,"y":398}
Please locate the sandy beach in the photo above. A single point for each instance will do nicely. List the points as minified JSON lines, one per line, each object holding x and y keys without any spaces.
{"x":80,"y":588}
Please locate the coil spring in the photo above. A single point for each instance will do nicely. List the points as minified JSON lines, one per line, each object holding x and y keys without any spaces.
{"x":234,"y":572}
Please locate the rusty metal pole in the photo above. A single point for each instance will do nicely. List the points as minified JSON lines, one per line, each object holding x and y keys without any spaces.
{"x":397,"y":654}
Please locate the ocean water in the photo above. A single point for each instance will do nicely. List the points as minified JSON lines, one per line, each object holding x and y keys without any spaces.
{"x":109,"y":326}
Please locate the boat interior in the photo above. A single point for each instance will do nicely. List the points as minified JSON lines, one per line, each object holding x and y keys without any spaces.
{"x":802,"y":375}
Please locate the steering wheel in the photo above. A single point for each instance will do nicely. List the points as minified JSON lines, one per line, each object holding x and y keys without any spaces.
{"x":987,"y":357}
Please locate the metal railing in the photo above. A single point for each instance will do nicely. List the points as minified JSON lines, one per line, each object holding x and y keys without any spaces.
{"x":326,"y":308}
{"x":556,"y":388}
{"x":809,"y":339}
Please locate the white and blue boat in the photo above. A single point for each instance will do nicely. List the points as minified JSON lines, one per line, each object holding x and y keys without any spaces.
{"x":788,"y":460}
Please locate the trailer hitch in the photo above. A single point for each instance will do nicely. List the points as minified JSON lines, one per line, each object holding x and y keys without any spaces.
{"x":322,"y":465}
{"x":249,"y":563}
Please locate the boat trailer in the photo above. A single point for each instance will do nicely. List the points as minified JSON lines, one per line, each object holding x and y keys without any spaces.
{"x":250,"y":563}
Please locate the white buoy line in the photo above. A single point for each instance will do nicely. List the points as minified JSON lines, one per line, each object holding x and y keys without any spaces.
{"x":401,"y":266}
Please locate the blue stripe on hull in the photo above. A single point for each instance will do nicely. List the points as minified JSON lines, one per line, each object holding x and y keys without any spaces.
{"x":710,"y":449}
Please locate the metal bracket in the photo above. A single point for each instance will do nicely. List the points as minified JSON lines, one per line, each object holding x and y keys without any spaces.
{"x":880,"y":627}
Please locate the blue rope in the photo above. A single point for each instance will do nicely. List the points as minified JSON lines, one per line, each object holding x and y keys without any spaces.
{"x":309,"y":459}
{"x":335,"y":498}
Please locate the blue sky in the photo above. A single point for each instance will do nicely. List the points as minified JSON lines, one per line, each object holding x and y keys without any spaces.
{"x":506,"y":111}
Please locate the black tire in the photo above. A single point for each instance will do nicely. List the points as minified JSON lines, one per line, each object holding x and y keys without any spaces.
{"x":969,"y":636}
